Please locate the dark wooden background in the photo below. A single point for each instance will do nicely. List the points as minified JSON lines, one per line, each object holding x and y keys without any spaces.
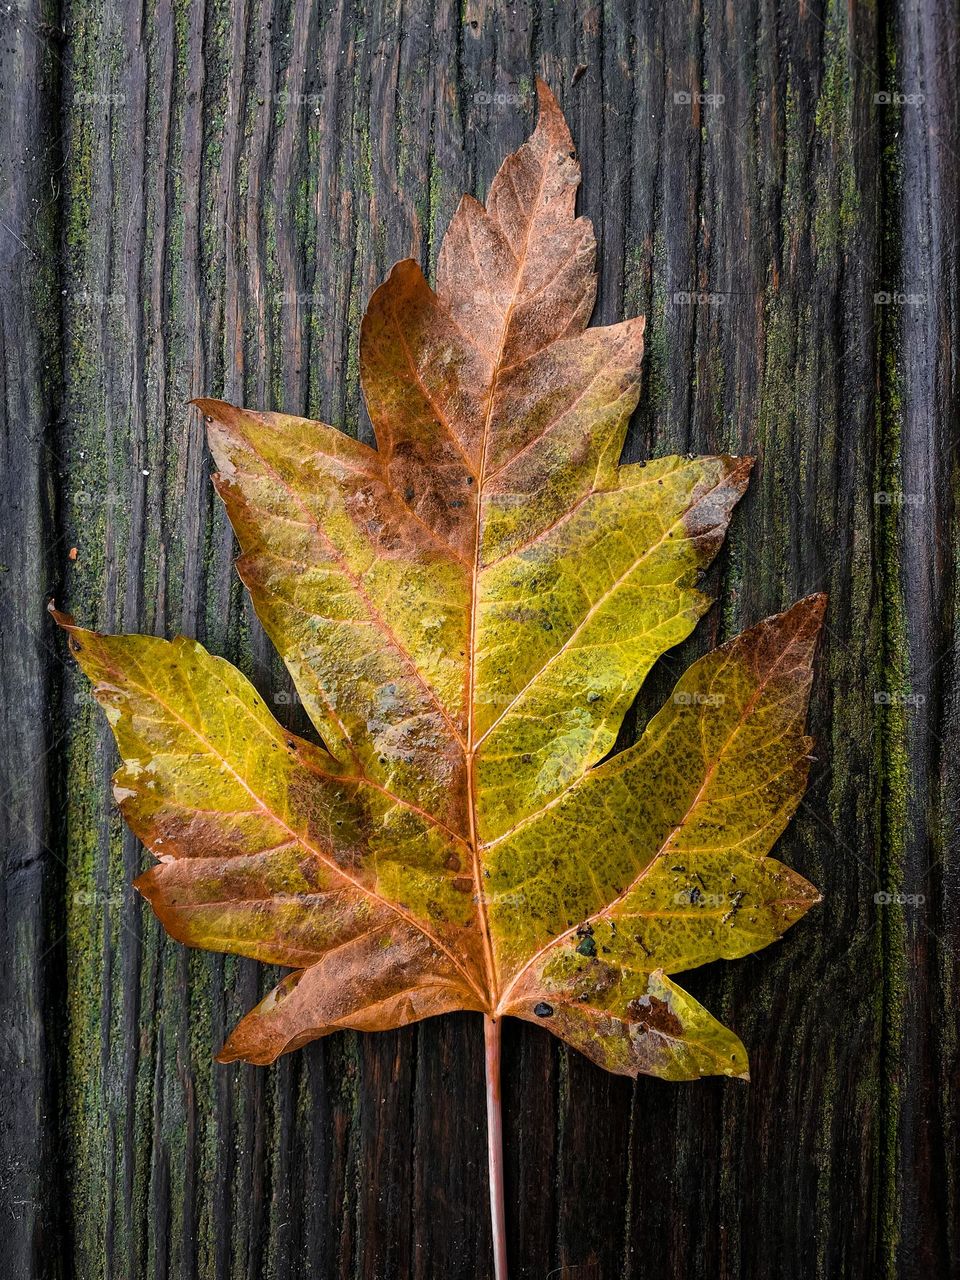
{"x":199,"y":197}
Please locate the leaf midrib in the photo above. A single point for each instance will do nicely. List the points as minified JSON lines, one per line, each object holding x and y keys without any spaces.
{"x":493,"y":972}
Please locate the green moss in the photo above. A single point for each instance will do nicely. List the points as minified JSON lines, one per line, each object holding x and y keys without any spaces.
{"x":893,"y":676}
{"x":837,"y":201}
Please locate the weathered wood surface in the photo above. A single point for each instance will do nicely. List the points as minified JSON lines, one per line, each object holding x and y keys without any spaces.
{"x":200,"y":197}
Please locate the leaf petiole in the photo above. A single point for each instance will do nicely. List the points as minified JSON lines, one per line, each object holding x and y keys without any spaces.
{"x":498,"y":1226}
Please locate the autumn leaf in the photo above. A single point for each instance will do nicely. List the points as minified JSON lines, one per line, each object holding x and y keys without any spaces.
{"x":467,"y":612}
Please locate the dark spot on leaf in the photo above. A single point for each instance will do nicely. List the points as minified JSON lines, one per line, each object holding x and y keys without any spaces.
{"x":463,"y":884}
{"x":543,"y":1010}
{"x":453,"y":863}
{"x":586,"y":946}
{"x":654,"y":1015}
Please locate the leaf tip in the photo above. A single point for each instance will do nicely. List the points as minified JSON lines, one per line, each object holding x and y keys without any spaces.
{"x":66,"y":622}
{"x":403,"y":281}
{"x":808,"y":614}
{"x":741,"y":468}
{"x":244,"y":1045}
{"x":144,"y":884}
{"x":551,"y":121}
{"x":219,"y":410}
{"x":62,"y":619}
{"x":816,"y":603}
{"x":546,"y":98}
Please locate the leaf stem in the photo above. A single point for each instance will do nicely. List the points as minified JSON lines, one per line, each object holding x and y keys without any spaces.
{"x":491,"y":1038}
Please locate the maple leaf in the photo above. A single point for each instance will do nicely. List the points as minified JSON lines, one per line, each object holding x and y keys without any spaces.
{"x":467,"y":612}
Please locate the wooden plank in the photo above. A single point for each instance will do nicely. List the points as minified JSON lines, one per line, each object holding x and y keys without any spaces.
{"x":922,"y":533}
{"x":31,"y":925}
{"x":237,"y":176}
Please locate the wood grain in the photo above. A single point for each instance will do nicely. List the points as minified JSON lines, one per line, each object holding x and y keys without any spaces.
{"x":199,"y":197}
